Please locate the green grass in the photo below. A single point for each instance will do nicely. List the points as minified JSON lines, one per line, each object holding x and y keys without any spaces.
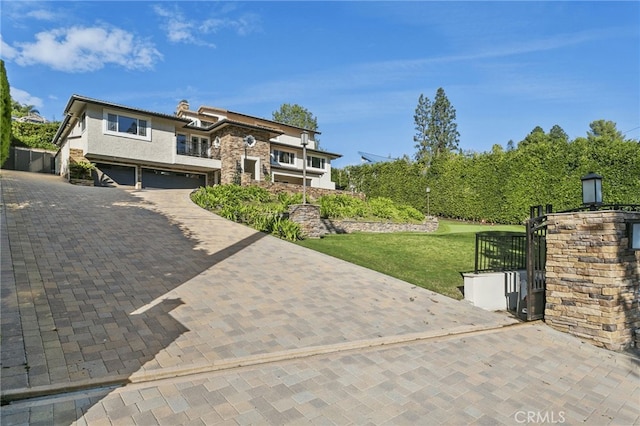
{"x":430,"y":260}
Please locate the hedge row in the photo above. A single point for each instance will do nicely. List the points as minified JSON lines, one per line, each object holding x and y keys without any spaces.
{"x":501,"y":185}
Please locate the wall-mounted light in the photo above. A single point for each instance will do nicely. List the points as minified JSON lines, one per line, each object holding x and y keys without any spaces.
{"x":249,"y":141}
{"x":592,"y":189}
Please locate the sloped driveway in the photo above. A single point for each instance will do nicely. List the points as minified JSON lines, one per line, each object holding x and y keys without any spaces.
{"x":104,"y":286}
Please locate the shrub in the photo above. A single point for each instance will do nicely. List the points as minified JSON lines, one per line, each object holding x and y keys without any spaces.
{"x":251,"y":205}
{"x":383,"y":208}
{"x":408,"y":213}
{"x":342,"y":206}
{"x":256,"y":207}
{"x":287,"y":229}
{"x":286,"y":199}
{"x":81,"y":170}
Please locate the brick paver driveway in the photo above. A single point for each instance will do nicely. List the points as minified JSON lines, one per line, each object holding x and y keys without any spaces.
{"x":210,"y":321}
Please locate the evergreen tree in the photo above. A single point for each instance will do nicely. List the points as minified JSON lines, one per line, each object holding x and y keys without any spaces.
{"x":443,"y":130}
{"x":436,"y":126}
{"x":604,"y":129}
{"x":557,"y":134}
{"x":421,"y":119}
{"x":537,"y":135}
{"x":5,"y":114}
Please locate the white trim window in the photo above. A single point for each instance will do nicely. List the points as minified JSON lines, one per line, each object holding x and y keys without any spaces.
{"x":181,"y":143}
{"x":127,"y":125}
{"x":284,"y":157}
{"x":195,"y":147}
{"x":83,"y":122}
{"x":316,"y":162}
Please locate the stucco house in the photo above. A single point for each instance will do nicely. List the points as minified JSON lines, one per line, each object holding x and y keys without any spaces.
{"x":187,"y":149}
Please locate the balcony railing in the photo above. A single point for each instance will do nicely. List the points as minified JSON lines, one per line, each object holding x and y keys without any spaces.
{"x":194,"y":153}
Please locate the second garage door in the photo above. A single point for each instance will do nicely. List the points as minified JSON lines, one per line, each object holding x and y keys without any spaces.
{"x":152,"y":178}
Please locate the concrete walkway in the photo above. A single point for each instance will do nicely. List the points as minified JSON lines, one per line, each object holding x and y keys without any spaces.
{"x":138,"y":307}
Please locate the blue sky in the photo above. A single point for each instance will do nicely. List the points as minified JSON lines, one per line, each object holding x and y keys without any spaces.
{"x":359,"y":67}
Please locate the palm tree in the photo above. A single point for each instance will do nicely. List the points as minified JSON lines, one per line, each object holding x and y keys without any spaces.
{"x":21,"y":110}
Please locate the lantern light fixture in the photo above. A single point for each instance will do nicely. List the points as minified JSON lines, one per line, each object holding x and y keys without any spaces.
{"x":591,"y":189}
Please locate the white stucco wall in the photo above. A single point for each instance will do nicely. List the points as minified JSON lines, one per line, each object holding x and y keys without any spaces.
{"x":160,"y":147}
{"x":62,"y":160}
{"x":294,"y":141}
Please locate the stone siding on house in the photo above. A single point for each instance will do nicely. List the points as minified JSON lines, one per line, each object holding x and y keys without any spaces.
{"x":232,"y":152}
{"x":593,"y":278}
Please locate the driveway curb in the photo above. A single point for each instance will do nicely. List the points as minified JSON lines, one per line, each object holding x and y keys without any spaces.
{"x":268,"y":358}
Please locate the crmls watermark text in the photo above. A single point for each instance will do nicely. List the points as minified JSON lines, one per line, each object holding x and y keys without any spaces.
{"x":549,"y":417}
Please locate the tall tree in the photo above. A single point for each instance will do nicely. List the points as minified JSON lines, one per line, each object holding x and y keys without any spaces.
{"x":421,"y":120}
{"x":296,"y":115}
{"x":557,"y":134}
{"x":436,"y":125}
{"x":537,"y":135}
{"x":442,"y":126}
{"x":605,"y":129}
{"x":5,"y":114}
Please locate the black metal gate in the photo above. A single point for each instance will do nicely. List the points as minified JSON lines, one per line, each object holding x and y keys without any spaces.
{"x":532,"y":302}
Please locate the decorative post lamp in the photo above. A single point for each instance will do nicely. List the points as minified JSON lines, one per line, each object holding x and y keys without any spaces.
{"x":304,"y":138}
{"x":428,"y":192}
{"x":592,"y":190}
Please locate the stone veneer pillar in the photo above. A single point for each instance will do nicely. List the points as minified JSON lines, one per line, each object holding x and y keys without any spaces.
{"x":232,"y":152}
{"x":308,"y":217}
{"x":593,"y":278}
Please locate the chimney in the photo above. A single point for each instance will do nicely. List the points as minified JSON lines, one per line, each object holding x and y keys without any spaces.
{"x":183,"y":105}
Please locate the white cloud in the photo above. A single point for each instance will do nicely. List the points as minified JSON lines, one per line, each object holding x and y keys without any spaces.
{"x":25,"y":98}
{"x":180,"y":29}
{"x":82,"y":49}
{"x":177,"y":27}
{"x":42,"y":15}
{"x":8,"y":52}
{"x":244,"y":25}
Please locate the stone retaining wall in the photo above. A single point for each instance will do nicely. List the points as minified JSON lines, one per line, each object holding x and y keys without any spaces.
{"x":348,"y":226}
{"x":593,"y":278}
{"x":308,"y":217}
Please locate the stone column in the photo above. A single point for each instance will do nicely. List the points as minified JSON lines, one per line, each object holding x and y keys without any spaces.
{"x":308,"y":217}
{"x":593,"y":278}
{"x":232,"y":152}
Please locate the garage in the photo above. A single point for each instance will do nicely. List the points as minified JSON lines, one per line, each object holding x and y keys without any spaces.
{"x":153,"y":178}
{"x":115,"y":173}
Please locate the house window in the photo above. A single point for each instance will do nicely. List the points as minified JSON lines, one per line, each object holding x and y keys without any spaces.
{"x":284,"y":157}
{"x":194,"y":147}
{"x":181,"y":142}
{"x":83,"y":121}
{"x":205,"y":152}
{"x":124,"y":124}
{"x":315,"y":162}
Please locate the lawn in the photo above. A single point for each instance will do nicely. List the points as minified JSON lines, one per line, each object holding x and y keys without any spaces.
{"x":430,"y":260}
